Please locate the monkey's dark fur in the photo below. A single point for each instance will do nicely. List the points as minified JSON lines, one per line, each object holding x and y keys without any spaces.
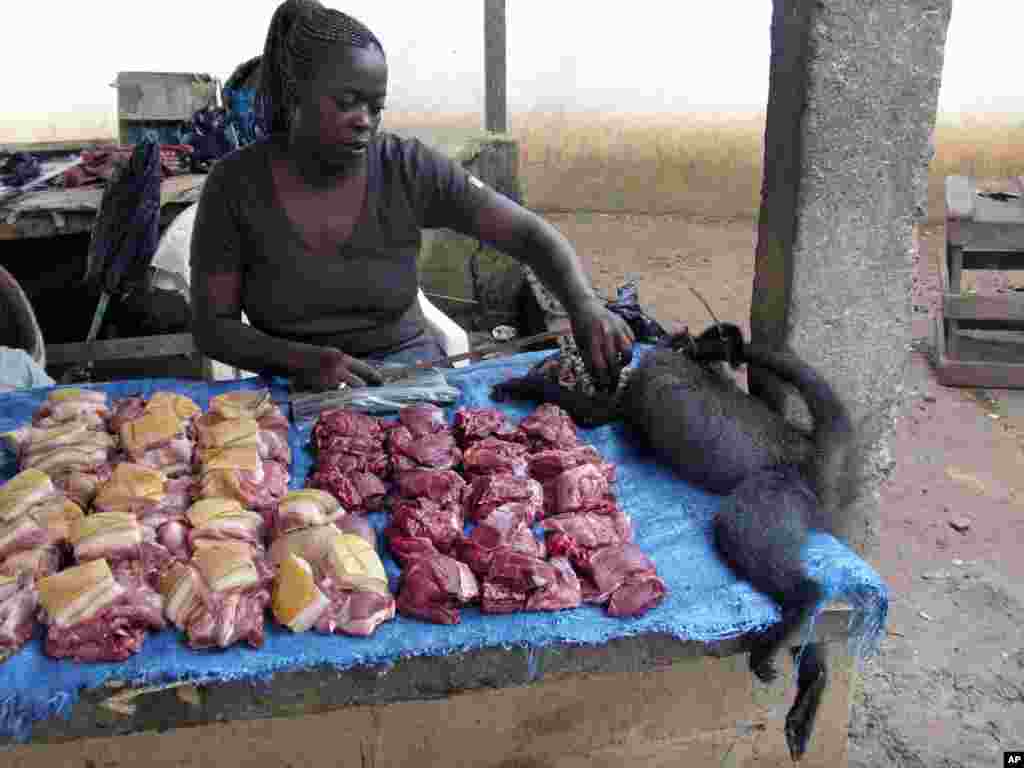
{"x":781,"y":481}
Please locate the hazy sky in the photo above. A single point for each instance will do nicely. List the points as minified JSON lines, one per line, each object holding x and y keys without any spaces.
{"x":645,"y":55}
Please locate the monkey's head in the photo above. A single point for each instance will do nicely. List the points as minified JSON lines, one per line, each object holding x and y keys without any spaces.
{"x":720,"y":343}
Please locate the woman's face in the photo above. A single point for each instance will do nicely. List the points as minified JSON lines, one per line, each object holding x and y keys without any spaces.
{"x":341,"y":109}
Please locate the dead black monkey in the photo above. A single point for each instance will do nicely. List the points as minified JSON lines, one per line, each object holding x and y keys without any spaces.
{"x":780,"y":481}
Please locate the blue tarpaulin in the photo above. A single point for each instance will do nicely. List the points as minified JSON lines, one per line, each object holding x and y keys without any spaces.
{"x":705,"y":601}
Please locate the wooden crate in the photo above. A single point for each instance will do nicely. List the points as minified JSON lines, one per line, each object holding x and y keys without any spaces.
{"x":982,"y":232}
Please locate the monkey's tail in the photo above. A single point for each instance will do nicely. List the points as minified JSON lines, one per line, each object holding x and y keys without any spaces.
{"x":835,"y":476}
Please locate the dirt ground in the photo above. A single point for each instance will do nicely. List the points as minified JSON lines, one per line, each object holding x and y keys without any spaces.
{"x":948,"y":686}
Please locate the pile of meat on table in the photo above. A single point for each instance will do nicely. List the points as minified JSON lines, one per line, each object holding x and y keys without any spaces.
{"x":130,"y":515}
{"x":468,"y":500}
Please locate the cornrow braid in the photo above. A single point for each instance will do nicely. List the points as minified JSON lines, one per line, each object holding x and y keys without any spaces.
{"x":300,"y":32}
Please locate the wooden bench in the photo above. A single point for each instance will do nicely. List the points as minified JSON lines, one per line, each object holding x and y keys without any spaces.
{"x":983,"y":231}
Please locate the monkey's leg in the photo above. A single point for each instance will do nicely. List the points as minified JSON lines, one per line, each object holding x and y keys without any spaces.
{"x":812,"y":679}
{"x":587,"y":411}
{"x":797,"y":606}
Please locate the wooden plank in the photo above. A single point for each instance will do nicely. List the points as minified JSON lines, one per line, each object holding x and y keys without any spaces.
{"x":170,"y":345}
{"x":961,"y":193}
{"x":74,"y":199}
{"x":972,"y":373}
{"x":41,"y":224}
{"x":1009,"y":307}
{"x":697,"y":712}
{"x":975,"y":324}
{"x":955,"y":256}
{"x":975,"y":258}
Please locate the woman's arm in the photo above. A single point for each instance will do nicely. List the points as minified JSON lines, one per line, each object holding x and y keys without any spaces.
{"x":528,"y":238}
{"x":604,"y":338}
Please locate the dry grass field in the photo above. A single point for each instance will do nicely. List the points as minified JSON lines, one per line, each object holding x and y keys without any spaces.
{"x":706,"y":166}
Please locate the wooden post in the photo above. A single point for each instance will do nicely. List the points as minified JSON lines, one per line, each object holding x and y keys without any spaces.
{"x":495,"y":101}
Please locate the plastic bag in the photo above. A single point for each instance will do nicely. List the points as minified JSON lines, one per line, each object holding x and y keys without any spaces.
{"x":645,"y":328}
{"x":430,"y":386}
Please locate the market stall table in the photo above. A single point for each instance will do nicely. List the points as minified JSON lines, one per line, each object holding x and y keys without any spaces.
{"x":569,"y":688}
{"x":51,"y":212}
{"x":45,"y":213}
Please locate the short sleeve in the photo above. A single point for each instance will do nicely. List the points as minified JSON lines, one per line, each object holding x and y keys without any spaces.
{"x":216,"y":238}
{"x":444,"y":194}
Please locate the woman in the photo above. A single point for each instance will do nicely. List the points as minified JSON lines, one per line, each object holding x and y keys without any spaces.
{"x":314,"y":232}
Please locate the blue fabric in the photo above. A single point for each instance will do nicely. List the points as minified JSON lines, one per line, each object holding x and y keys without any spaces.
{"x":241,"y":103}
{"x":127,"y":229}
{"x":210,"y":136}
{"x":19,"y":169}
{"x":705,"y":601}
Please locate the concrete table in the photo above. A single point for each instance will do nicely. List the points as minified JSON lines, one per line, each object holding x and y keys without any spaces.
{"x":649,"y":700}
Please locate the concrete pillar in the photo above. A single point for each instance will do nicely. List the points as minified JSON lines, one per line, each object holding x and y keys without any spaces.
{"x":852,"y":104}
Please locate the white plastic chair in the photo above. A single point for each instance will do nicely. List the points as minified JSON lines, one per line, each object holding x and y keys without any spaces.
{"x":171,"y":272}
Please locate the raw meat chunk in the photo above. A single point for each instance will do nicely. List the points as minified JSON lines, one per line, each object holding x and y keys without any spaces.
{"x":492,"y":456}
{"x":18,"y":603}
{"x":423,"y":419}
{"x":506,"y":527}
{"x":474,"y":424}
{"x":344,"y":422}
{"x":434,"y":587}
{"x":260,"y":490}
{"x":111,"y":625}
{"x":628,"y":577}
{"x":577,"y":537}
{"x":408,"y":549}
{"x":520,"y":571}
{"x":549,"y":464}
{"x":489,"y":492}
{"x":423,"y":518}
{"x":441,"y":485}
{"x":435,"y":451}
{"x":564,"y":592}
{"x":354,"y":612}
{"x":579,"y":489}
{"x":337,"y":462}
{"x":549,"y":427}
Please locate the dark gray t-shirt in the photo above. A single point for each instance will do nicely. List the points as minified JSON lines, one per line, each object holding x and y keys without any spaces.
{"x":363,"y":301}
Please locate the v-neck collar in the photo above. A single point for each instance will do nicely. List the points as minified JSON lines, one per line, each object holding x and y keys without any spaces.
{"x":363,"y":220}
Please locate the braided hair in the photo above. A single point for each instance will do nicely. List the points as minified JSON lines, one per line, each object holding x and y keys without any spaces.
{"x":300,"y":32}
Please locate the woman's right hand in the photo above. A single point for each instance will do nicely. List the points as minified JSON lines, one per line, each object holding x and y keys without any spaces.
{"x":333,"y":368}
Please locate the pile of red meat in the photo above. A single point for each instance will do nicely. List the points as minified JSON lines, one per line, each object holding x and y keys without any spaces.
{"x":503,"y":480}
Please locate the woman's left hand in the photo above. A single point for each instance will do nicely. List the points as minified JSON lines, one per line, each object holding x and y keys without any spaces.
{"x":605,"y":341}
